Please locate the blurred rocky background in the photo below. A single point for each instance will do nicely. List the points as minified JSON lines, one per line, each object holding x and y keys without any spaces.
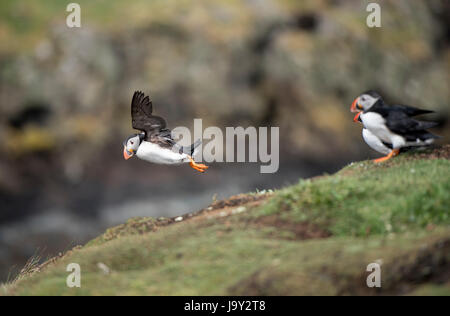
{"x":65,"y":96}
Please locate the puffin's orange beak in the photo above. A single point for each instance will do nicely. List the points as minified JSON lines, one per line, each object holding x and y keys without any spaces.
{"x":355,"y":106}
{"x":126,"y":155}
{"x":355,"y":119}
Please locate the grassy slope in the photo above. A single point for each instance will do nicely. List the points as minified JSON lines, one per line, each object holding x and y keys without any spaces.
{"x":316,"y":237}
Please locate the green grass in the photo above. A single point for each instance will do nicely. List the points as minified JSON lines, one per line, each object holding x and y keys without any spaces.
{"x":367,"y":199}
{"x":393,"y":213}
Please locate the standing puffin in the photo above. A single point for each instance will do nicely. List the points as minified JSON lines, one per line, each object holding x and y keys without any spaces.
{"x":392,"y":125}
{"x":155,"y":143}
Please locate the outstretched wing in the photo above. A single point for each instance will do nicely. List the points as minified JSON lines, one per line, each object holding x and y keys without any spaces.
{"x":142,"y":118}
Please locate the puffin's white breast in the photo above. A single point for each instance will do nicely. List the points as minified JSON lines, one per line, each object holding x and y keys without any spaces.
{"x":374,"y":142}
{"x":376,"y":124}
{"x":154,"y":153}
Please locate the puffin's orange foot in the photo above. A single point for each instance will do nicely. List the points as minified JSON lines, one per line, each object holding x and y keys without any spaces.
{"x":380,"y":160}
{"x":393,"y":153}
{"x":198,"y":166}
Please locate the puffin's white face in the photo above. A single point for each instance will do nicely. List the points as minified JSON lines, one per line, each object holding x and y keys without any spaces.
{"x":130,"y":146}
{"x":363,"y":103}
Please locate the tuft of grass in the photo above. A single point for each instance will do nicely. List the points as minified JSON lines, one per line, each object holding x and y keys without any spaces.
{"x":31,"y":266}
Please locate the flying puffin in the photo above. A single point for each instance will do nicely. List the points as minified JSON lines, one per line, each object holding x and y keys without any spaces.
{"x":155,"y":143}
{"x":392,"y":125}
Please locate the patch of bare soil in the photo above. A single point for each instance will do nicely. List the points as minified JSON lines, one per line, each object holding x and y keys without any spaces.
{"x":301,"y":231}
{"x":226,"y":207}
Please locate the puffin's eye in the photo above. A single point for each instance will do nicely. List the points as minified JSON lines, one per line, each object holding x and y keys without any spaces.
{"x":132,"y":143}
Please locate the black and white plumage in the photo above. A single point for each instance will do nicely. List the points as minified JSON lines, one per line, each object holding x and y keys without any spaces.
{"x":155,"y":143}
{"x":375,"y":143}
{"x":392,"y":125}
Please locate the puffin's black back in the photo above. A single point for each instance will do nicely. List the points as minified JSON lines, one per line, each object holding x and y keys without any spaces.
{"x":399,"y":119}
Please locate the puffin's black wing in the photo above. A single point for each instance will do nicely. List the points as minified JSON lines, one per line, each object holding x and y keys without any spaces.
{"x":409,"y":110}
{"x":142,"y":118}
{"x":400,"y":123}
{"x":153,"y":126}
